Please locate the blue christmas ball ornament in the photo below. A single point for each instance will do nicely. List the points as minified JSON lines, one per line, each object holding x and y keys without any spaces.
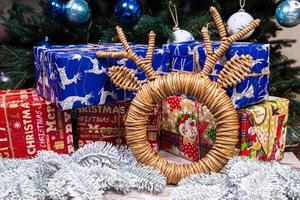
{"x":288,"y":13}
{"x":128,"y":12}
{"x":55,"y":8}
{"x":78,"y":11}
{"x":45,"y":42}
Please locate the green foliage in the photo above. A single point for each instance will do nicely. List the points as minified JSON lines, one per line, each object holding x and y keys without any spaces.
{"x":16,"y":62}
{"x":27,"y":28}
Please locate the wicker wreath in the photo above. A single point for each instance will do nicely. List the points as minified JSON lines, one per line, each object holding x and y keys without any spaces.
{"x":197,"y":85}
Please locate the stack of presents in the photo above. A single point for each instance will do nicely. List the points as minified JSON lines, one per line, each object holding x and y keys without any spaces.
{"x":72,"y":83}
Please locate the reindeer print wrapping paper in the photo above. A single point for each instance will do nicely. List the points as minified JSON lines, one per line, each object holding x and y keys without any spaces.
{"x":106,"y":123}
{"x":188,"y":128}
{"x":73,"y":77}
{"x":190,"y":57}
{"x":263,"y":129}
{"x":29,"y":124}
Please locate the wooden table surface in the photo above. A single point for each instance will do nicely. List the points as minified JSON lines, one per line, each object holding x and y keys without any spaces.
{"x":289,"y":159}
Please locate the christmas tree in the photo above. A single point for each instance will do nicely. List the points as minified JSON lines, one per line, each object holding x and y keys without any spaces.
{"x":27,"y":27}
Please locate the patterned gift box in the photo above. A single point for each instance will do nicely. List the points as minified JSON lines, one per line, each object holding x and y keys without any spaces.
{"x":263,"y":129}
{"x":188,"y":128}
{"x":28,"y":124}
{"x":105,"y":123}
{"x":190,"y":56}
{"x":73,"y":77}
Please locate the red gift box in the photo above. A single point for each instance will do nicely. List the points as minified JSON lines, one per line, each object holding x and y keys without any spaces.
{"x":28,"y":124}
{"x":106,"y":123}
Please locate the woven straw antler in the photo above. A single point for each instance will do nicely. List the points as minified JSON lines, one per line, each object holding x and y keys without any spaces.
{"x":124,"y":77}
{"x":235,"y":70}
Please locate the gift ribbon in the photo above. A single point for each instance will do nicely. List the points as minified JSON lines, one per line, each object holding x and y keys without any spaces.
{"x":17,"y":93}
{"x":196,"y":58}
{"x":266,"y":72}
{"x":44,"y":77}
{"x":119,"y":124}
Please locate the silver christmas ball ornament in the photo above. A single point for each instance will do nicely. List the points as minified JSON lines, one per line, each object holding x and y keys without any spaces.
{"x":180,"y":35}
{"x":238,"y":21}
{"x":4,"y":78}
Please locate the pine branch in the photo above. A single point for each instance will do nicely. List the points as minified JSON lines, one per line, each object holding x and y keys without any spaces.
{"x":157,"y":24}
{"x":293,"y":135}
{"x":85,"y":175}
{"x":103,"y":154}
{"x":287,"y":85}
{"x":84,"y":184}
{"x":195,"y":24}
{"x":201,"y":192}
{"x":242,"y":178}
{"x":108,"y":35}
{"x":24,"y":181}
{"x":17,"y":63}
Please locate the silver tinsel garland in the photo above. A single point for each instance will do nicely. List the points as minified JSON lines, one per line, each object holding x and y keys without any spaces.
{"x":85,"y":175}
{"x":99,"y":167}
{"x":242,"y":179}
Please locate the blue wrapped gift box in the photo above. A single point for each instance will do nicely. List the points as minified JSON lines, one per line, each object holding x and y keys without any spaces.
{"x":190,"y":57}
{"x":73,"y":77}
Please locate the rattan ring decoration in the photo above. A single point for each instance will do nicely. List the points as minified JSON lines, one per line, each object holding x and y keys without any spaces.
{"x":197,"y":85}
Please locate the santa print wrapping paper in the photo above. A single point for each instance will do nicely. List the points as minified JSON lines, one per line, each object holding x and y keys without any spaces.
{"x":106,"y":123}
{"x":73,"y":77}
{"x":188,"y":128}
{"x":29,"y":124}
{"x":263,"y":129}
{"x":190,"y":57}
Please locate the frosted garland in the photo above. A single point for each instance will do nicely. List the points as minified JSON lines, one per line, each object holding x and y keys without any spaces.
{"x":104,"y":154}
{"x":242,"y":178}
{"x":85,"y":175}
{"x":99,"y":167}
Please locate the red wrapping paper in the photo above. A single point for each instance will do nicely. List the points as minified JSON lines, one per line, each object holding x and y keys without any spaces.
{"x":106,"y":123}
{"x":188,"y":128}
{"x":29,"y":124}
